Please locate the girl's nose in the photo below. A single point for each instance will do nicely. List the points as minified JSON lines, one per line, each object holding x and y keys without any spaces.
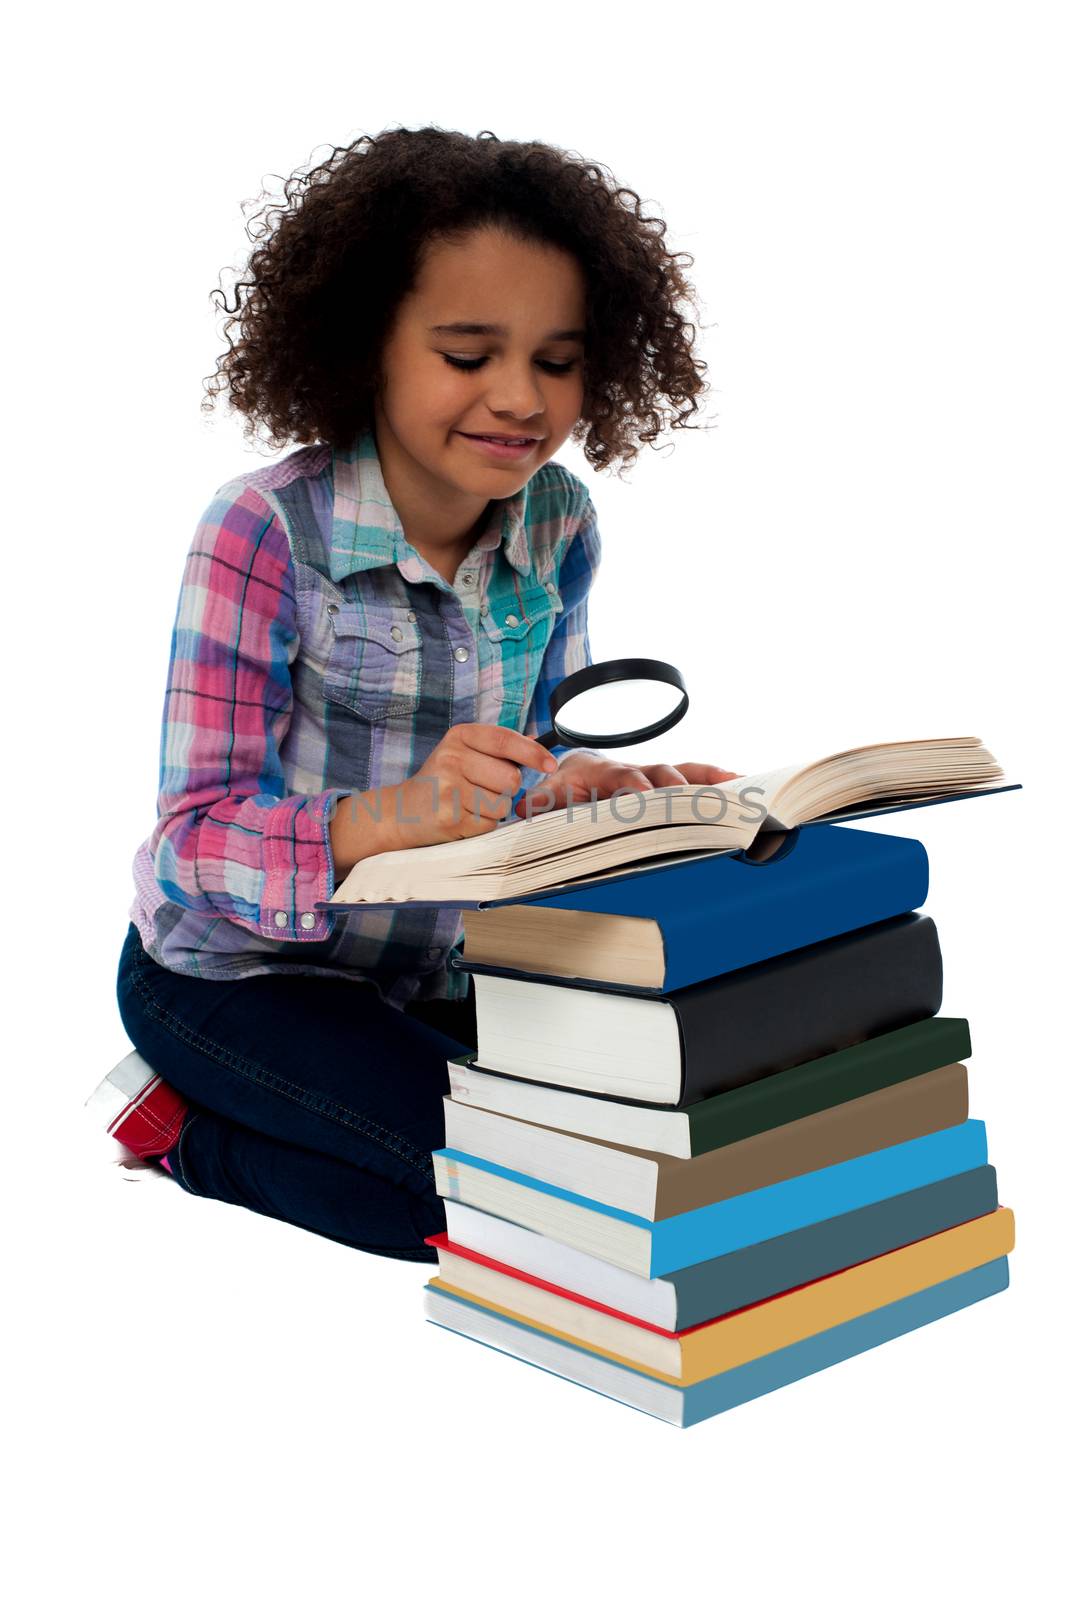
{"x":515,"y":393}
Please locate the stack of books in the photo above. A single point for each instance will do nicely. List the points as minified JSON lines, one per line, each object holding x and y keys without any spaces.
{"x":687,"y":1200}
{"x":715,"y":1135}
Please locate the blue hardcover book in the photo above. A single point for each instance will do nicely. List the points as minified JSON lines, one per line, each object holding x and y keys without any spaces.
{"x":654,"y":1248}
{"x":697,"y":919}
{"x":696,"y":1402}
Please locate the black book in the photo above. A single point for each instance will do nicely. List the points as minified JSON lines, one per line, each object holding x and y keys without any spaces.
{"x":678,"y":1048}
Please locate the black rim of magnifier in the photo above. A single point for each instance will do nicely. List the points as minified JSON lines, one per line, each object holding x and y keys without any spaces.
{"x":613,"y":672}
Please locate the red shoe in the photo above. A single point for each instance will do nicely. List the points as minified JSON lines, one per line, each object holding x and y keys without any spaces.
{"x":138,"y":1108}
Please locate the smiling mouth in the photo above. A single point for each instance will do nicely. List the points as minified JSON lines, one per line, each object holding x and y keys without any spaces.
{"x":506,"y":438}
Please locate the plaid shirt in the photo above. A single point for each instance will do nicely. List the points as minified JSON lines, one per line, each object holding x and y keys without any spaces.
{"x":315,"y":655}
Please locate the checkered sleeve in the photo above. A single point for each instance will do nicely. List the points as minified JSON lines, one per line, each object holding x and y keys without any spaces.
{"x":229,"y":840}
{"x":568,"y":647}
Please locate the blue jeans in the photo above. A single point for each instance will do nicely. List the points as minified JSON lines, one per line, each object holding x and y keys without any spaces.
{"x":310,"y":1099}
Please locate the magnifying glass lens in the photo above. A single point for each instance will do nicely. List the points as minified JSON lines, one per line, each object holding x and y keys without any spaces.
{"x":615,"y":703}
{"x":609,"y":709}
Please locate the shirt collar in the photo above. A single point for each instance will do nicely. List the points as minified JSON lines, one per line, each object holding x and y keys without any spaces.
{"x":367,"y":531}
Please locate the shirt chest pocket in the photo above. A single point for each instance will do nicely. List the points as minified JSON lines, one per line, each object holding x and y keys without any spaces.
{"x":375,"y":661}
{"x":514,"y":636}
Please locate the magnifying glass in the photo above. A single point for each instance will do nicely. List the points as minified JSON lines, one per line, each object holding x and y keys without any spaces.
{"x":603,"y":702}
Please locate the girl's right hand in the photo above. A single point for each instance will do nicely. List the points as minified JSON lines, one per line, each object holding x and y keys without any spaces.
{"x":465,"y":786}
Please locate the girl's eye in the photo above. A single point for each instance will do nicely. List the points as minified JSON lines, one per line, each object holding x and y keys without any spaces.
{"x":472,"y":364}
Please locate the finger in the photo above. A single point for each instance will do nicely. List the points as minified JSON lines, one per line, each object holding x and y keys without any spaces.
{"x":699,"y":772}
{"x":467,"y":763}
{"x":466,"y":802}
{"x":572,"y":784}
{"x":492,"y":773}
{"x":617,"y":776}
{"x":476,"y":801}
{"x":538,"y":801}
{"x":664,"y":776}
{"x":492,"y":740}
{"x":447,"y":801}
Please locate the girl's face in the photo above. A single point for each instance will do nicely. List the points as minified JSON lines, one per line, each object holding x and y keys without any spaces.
{"x":521,"y":374}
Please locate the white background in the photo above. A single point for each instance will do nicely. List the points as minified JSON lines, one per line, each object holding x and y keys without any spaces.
{"x":864,"y":545}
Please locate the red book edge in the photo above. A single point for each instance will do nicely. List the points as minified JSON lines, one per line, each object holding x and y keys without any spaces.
{"x":441,"y":1243}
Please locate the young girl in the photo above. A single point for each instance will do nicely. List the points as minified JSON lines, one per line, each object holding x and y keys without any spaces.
{"x":382,"y":612}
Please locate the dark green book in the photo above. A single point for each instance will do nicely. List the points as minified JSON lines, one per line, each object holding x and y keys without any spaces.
{"x":733,"y":1114}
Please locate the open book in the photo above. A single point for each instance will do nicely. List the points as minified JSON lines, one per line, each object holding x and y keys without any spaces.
{"x":593,"y":839}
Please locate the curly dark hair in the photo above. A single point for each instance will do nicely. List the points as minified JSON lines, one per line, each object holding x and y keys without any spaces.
{"x":320,"y":292}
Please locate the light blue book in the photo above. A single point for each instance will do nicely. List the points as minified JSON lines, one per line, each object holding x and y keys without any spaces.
{"x":698,"y":1401}
{"x":654,"y":1248}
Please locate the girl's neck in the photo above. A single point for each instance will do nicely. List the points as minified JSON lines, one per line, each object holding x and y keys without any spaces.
{"x":443,"y":533}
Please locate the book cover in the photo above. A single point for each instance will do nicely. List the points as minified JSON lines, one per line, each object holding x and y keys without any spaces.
{"x":653,"y":1248}
{"x":684,"y":1407}
{"x":695,"y":1294}
{"x":732,"y":1114}
{"x":717,"y":913}
{"x":549,"y":851}
{"x":658,"y":1186}
{"x":730,"y":1030}
{"x":752,"y":1331}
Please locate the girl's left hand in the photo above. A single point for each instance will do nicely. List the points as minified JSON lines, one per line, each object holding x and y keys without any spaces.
{"x":580,"y":774}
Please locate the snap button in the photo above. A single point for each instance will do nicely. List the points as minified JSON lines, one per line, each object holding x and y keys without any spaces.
{"x":307,"y":920}
{"x":412,"y":616}
{"x":332,"y":608}
{"x":467,"y":577}
{"x":281,"y":919}
{"x":434,"y":952}
{"x":397,"y":633}
{"x":512,"y":621}
{"x":462,"y":654}
{"x":484,"y":607}
{"x":550,"y":588}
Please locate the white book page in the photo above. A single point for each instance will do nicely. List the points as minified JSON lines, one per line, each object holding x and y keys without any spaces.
{"x":769,"y":783}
